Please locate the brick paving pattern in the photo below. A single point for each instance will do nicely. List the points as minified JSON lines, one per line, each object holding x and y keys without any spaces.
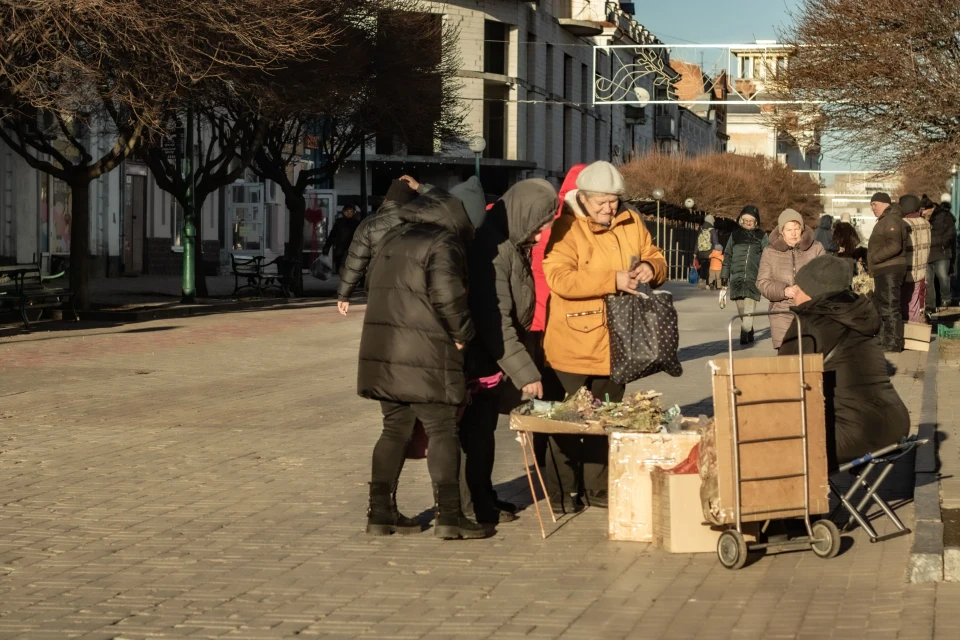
{"x":206,"y":477}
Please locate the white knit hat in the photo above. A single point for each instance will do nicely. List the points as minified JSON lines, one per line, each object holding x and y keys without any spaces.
{"x":601,"y":177}
{"x":845,"y":217}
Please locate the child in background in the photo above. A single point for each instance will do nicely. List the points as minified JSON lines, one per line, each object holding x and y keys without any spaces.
{"x":716,"y":264}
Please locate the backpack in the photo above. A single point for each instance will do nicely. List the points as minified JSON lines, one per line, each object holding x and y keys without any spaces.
{"x":703,"y":241}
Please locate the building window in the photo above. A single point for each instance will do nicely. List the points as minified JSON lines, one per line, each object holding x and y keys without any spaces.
{"x":568,"y":77}
{"x":531,"y":73}
{"x":494,"y":119}
{"x":494,"y":47}
{"x":586,"y":95}
{"x":548,"y":60}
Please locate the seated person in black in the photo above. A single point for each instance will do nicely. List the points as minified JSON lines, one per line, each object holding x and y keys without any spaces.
{"x":864,"y":411}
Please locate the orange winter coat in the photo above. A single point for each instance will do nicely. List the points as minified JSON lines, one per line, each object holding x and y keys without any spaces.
{"x":581,"y":267}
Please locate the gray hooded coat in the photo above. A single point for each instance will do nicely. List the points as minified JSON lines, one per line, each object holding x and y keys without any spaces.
{"x":502,"y":294}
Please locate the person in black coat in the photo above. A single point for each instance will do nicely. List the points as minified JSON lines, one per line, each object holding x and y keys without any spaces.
{"x":943,"y":253}
{"x":502,"y":303}
{"x":366,"y":241}
{"x":864,"y":412}
{"x":415,"y":328}
{"x":341,"y":236}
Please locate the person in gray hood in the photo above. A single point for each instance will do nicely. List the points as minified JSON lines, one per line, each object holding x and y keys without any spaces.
{"x":824,"y":234}
{"x":502,"y":300}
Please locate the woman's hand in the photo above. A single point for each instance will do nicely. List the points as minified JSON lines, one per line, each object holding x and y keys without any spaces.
{"x":643,"y":273}
{"x":790,"y":292}
{"x":534,"y":389}
{"x":627,"y":282}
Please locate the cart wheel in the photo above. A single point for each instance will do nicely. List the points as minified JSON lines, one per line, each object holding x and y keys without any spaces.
{"x":826,"y":539}
{"x":732,"y":549}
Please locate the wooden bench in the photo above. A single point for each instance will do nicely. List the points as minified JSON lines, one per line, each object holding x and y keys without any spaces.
{"x":250,"y":272}
{"x":23,"y":287}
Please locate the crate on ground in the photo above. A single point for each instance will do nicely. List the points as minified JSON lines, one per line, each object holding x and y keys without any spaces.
{"x":948,"y":331}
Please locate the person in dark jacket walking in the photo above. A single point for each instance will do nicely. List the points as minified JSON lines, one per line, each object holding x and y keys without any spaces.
{"x":741,"y":264}
{"x":943,"y":249}
{"x":502,"y":304}
{"x":416,"y":325}
{"x":706,"y":240}
{"x":887,"y":263}
{"x":824,"y":234}
{"x":341,"y":236}
{"x":370,"y":233}
{"x":864,"y":411}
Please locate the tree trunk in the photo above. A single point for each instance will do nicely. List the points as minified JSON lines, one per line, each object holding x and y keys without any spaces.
{"x":296,"y":207}
{"x":80,"y":242}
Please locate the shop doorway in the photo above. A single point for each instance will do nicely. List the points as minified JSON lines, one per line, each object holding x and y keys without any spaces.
{"x":134,"y":219}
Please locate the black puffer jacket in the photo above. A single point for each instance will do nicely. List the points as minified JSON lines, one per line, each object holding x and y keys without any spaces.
{"x":943,"y":235}
{"x":418,"y":309}
{"x":862,"y":405}
{"x":741,"y":262}
{"x":502,"y":294}
{"x":365,"y":243}
{"x":886,"y":250}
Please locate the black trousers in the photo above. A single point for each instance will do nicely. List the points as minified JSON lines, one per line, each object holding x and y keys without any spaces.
{"x":888,"y":287}
{"x":479,"y":445}
{"x":443,"y":452}
{"x":577,"y":465}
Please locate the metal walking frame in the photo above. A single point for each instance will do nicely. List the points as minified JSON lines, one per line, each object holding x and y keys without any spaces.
{"x":823,"y":537}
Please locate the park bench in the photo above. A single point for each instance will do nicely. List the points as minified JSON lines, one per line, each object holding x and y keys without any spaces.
{"x":251,"y":272}
{"x":23,"y":287}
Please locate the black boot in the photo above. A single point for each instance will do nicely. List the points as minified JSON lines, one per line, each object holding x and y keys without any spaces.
{"x":383,"y":518}
{"x":451,"y":523}
{"x":744,"y":337}
{"x":750,"y":336}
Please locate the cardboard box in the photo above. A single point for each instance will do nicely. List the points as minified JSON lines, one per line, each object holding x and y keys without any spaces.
{"x":769,"y":407}
{"x":916,"y":345}
{"x":917,"y":331}
{"x":632,"y":457}
{"x":678,"y":525}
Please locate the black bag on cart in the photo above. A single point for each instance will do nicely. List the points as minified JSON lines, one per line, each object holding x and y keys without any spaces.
{"x":644,"y":336}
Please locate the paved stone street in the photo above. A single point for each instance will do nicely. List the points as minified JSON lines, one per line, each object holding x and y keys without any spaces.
{"x":206,"y":477}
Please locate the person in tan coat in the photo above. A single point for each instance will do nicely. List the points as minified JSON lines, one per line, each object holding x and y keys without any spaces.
{"x":598,"y":247}
{"x":792,"y":245}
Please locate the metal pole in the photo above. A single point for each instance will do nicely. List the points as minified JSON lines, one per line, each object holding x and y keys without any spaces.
{"x":658,"y":223}
{"x":955,"y":206}
{"x":477,"y":169}
{"x":189,"y":225}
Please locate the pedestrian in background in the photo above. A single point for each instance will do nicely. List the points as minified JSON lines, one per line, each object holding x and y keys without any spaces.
{"x":716,"y":266}
{"x":741,"y":266}
{"x":411,"y":357}
{"x":369,"y":234}
{"x":943,"y":253}
{"x":792,"y":245}
{"x":598,"y":247}
{"x":341,"y":236}
{"x":706,"y":240}
{"x":917,"y":249}
{"x":887,"y":263}
{"x":502,"y":303}
{"x":824,"y":234}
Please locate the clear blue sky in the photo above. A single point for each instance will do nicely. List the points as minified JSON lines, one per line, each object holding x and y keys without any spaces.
{"x":730,"y":22}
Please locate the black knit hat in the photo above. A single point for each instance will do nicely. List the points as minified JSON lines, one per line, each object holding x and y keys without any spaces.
{"x":749,"y":210}
{"x":825,"y":274}
{"x":880,"y":196}
{"x":909,"y":203}
{"x":400,"y":192}
{"x":927,"y":203}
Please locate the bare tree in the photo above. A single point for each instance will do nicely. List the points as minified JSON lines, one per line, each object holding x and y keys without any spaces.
{"x":391,"y":74}
{"x":722,"y":184}
{"x":885,"y":75}
{"x":71,"y":68}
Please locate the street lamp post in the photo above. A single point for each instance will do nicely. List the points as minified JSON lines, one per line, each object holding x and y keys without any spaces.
{"x":955,"y":202}
{"x":689,"y":203}
{"x":658,"y":196}
{"x":189,"y":238}
{"x":477,"y":145}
